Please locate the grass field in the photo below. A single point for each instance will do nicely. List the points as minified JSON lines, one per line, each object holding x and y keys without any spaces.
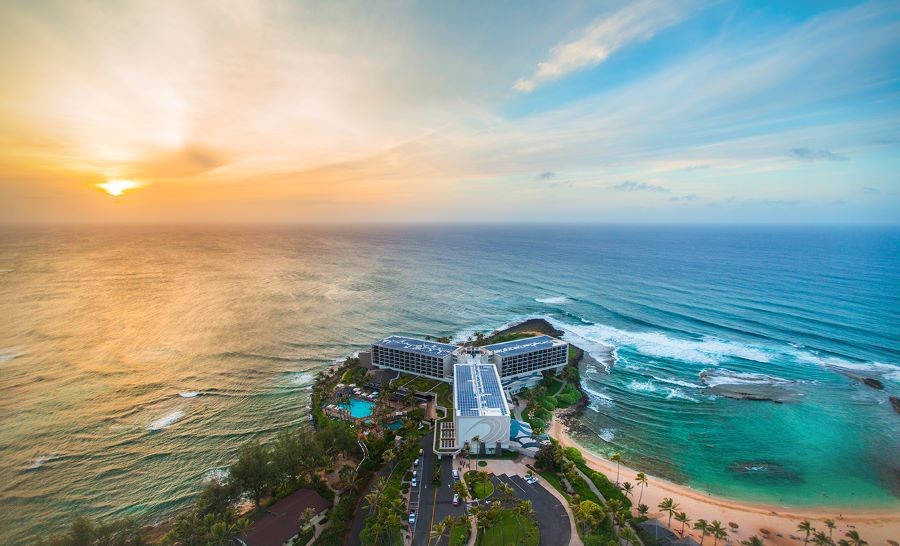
{"x":507,"y":529}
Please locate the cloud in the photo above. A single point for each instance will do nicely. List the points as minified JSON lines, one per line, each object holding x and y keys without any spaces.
{"x":546,"y":175}
{"x":808,"y":154}
{"x":689,"y":197}
{"x":637,"y":22}
{"x":869,"y":190}
{"x":189,"y":160}
{"x":631,"y":185}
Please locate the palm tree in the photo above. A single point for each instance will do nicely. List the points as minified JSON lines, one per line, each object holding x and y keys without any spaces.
{"x":627,"y":488}
{"x":853,"y":535}
{"x":806,"y":527}
{"x":442,"y":527}
{"x":641,"y":479}
{"x":821,"y":539}
{"x":717,"y":531}
{"x":617,"y":457}
{"x":670,"y":506}
{"x":682,"y":518}
{"x":702,"y":526}
{"x":753,"y":541}
{"x":642,"y":510}
{"x":830,"y":524}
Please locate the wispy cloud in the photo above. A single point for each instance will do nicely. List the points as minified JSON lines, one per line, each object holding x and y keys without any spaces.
{"x":808,"y":154}
{"x":636,"y":22}
{"x":631,"y":185}
{"x":546,"y":175}
{"x":688,"y":197}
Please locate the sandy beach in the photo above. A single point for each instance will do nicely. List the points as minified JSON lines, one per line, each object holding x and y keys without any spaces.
{"x":876,"y":527}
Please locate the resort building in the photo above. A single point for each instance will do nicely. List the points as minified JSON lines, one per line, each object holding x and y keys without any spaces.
{"x":519,"y":363}
{"x":480,"y":409}
{"x":415,"y":356}
{"x":528,"y":356}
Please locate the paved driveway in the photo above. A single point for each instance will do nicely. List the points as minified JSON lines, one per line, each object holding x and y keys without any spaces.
{"x":552,"y":519}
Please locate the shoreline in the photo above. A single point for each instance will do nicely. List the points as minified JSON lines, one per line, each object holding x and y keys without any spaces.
{"x":875,"y":526}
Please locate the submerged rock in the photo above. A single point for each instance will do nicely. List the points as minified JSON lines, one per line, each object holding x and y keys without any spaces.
{"x":896,"y":403}
{"x":769,"y":393}
{"x":874,"y":383}
{"x":765,"y":470}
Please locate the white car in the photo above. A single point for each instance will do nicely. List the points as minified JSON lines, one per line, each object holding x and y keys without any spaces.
{"x":414,"y":482}
{"x":455,"y":499}
{"x":412,"y":518}
{"x":531,"y":479}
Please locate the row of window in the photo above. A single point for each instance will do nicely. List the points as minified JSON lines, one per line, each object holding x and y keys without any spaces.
{"x":537,"y":360}
{"x":408,"y":362}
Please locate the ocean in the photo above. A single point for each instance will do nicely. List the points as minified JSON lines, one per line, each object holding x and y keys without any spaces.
{"x":135,"y":360}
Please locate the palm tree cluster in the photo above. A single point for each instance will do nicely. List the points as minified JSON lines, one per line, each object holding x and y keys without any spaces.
{"x":446,"y":526}
{"x":385,"y":515}
{"x":488,"y":515}
{"x":821,"y":538}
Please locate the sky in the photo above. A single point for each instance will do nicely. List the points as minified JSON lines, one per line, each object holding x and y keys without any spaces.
{"x":266,"y":111}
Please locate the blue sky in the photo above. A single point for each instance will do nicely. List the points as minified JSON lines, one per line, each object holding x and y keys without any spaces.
{"x":649,"y":111}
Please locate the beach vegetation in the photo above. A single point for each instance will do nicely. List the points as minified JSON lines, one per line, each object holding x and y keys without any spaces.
{"x":717,"y":531}
{"x":753,"y":541}
{"x":84,"y":531}
{"x":252,"y":472}
{"x":641,"y":480}
{"x":683,"y":519}
{"x":670,"y":507}
{"x":805,"y":527}
{"x":703,"y":526}
{"x":616,"y":458}
{"x":853,"y":538}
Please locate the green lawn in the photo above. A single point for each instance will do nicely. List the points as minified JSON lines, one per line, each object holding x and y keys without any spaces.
{"x":458,"y":535}
{"x":507,"y":529}
{"x":480,"y":489}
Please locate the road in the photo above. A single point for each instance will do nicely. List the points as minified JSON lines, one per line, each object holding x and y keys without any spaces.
{"x":552,"y":519}
{"x":443,"y":505}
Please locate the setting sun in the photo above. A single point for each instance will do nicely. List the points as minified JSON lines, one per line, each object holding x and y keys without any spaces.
{"x":118,"y":187}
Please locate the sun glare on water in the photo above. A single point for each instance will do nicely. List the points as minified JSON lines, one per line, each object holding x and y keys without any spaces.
{"x":118,"y":187}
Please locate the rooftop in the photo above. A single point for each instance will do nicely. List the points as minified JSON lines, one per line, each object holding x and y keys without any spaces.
{"x":420,"y":346}
{"x":477,"y":391}
{"x":526,"y":345}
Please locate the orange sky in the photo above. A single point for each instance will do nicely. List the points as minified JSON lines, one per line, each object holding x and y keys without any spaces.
{"x":294,"y":111}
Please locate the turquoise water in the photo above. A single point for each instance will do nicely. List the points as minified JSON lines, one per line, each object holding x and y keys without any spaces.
{"x":134,"y":361}
{"x":395,"y":425}
{"x":359,"y":408}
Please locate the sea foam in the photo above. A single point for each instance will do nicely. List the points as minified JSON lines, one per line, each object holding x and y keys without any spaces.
{"x":553,"y":300}
{"x":166,"y":420}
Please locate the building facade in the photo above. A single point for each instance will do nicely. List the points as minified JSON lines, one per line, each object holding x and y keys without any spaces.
{"x":519,"y":363}
{"x":415,"y":356}
{"x":526,"y":357}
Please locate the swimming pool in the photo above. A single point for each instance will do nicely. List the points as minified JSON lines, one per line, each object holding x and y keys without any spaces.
{"x":359,"y":408}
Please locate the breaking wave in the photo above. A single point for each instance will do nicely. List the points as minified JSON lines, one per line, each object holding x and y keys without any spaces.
{"x":553,"y":300}
{"x":715,"y":377}
{"x":166,"y":420}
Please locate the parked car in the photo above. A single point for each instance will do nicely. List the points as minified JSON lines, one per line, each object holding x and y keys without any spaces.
{"x":414,"y":482}
{"x":412,"y":518}
{"x":455,"y":499}
{"x":530,"y":478}
{"x":455,"y":474}
{"x":416,"y":462}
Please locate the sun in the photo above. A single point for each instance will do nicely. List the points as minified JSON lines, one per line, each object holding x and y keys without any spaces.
{"x":118,"y":187}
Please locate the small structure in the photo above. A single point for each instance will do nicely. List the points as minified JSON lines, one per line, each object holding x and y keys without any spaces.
{"x":280,"y":521}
